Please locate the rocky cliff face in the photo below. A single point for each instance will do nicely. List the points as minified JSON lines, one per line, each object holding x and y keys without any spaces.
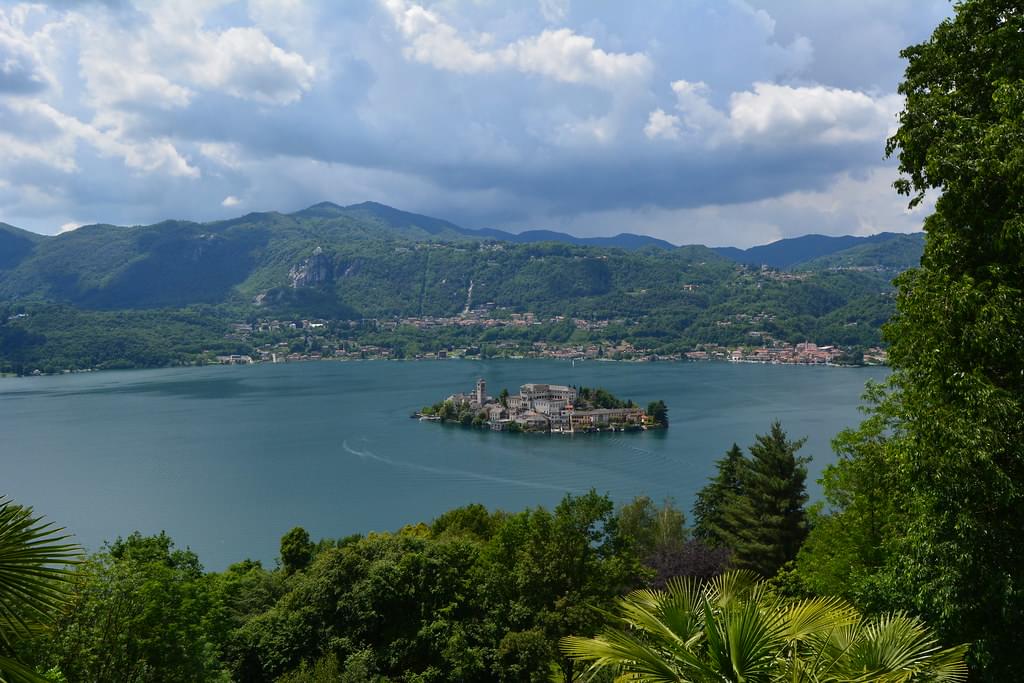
{"x":316,"y":270}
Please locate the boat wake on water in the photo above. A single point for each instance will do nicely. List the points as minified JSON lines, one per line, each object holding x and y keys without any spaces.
{"x":448,"y":472}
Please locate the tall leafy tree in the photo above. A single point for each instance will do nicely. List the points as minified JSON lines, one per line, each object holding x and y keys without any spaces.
{"x":658,"y":412}
{"x":954,"y":451}
{"x":296,"y":550}
{"x":141,"y":612}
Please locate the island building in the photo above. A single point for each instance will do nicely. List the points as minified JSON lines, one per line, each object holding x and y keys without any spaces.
{"x":545,"y":407}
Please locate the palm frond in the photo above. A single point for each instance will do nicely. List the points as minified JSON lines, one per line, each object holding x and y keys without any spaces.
{"x":734,"y":629}
{"x":35,"y":571}
{"x":13,"y":671}
{"x":897,"y":644}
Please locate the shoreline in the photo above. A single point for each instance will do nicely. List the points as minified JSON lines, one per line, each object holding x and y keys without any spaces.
{"x":434,"y":360}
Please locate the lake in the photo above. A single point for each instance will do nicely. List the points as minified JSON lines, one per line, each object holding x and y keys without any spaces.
{"x":227,"y":459}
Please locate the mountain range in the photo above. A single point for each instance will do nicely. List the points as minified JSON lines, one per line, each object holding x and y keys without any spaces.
{"x":367,"y":217}
{"x":372,"y":261}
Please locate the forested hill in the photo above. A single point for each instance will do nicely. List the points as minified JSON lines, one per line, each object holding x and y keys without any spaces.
{"x":369,"y":261}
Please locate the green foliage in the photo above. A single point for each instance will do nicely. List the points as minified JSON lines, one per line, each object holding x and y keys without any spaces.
{"x":473,"y":520}
{"x":658,"y":412}
{"x":35,"y":561}
{"x":476,"y":596}
{"x":143,"y":611}
{"x":601,"y":398}
{"x":929,"y":498}
{"x":755,"y":506}
{"x":709,"y":507}
{"x":650,"y":528}
{"x":54,"y":338}
{"x":733,"y":628}
{"x":296,"y":550}
{"x":844,"y":550}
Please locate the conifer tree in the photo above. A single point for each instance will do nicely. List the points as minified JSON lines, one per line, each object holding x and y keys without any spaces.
{"x":755,"y":506}
{"x":708,"y":509}
{"x":767,"y":523}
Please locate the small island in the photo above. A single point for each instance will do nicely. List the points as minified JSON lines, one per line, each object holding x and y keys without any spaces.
{"x":549,"y":408}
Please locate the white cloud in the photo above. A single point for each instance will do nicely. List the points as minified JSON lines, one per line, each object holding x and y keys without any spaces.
{"x":23,"y":68}
{"x":292,"y":19}
{"x":170,"y":54}
{"x":231,"y":200}
{"x":828,"y":115}
{"x":114,"y":81}
{"x":698,"y":114}
{"x":561,"y":55}
{"x":662,"y":125}
{"x":226,"y":155}
{"x":246,"y":64}
{"x":564,"y":56}
{"x":772,"y":114}
{"x":147,"y":156}
{"x":68,"y":227}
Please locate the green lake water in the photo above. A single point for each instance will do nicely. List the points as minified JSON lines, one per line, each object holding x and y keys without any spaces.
{"x":227,"y":459}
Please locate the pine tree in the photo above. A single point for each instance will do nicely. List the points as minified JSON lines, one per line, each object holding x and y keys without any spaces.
{"x":708,"y":510}
{"x":766,"y":522}
{"x":755,"y":505}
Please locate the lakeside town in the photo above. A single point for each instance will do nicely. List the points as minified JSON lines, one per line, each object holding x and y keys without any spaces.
{"x":550,"y":408}
{"x":279,"y":341}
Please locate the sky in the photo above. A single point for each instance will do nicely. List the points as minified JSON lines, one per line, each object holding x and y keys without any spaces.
{"x":718,"y":122}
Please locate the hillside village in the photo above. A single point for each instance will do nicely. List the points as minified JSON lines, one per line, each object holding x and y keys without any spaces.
{"x":545,"y":408}
{"x":318,"y":339}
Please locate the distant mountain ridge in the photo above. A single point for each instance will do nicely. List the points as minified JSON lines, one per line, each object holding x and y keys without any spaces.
{"x":796,"y":251}
{"x":398,"y":219}
{"x":374,"y":259}
{"x":784,"y":253}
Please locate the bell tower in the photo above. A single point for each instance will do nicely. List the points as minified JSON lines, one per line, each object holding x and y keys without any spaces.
{"x":481,"y":391}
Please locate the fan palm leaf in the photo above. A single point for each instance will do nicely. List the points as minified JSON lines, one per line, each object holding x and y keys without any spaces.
{"x":733,"y":629}
{"x":35,"y":575}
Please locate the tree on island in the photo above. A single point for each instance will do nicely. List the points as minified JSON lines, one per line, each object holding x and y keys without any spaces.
{"x":658,"y":411}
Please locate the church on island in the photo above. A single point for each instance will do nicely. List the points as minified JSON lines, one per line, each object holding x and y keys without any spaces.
{"x":540,"y":408}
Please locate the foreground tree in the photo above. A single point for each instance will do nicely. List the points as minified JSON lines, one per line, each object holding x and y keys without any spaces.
{"x":34,"y":583}
{"x":755,"y":506}
{"x":953,"y":452}
{"x":708,"y":510}
{"x":733,"y":629}
{"x":296,"y":550}
{"x":143,"y":610}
